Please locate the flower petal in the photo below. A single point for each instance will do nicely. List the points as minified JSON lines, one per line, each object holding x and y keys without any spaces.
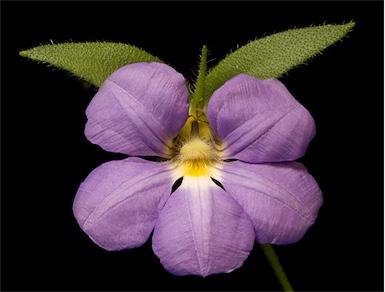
{"x":119,"y":201}
{"x":138,"y":110}
{"x":202,"y":230}
{"x":282,"y":199}
{"x":259,"y":121}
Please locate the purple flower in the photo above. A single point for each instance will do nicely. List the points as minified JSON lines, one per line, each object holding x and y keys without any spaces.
{"x":239,"y":181}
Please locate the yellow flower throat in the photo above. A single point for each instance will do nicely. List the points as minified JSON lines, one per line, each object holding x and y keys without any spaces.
{"x":196,"y":149}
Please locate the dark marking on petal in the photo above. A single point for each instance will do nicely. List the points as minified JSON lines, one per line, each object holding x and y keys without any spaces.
{"x":218,"y":183}
{"x":230,"y":160}
{"x":153,"y":158}
{"x":176,"y":184}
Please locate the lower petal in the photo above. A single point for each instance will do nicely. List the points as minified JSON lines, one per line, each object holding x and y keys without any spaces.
{"x":202,"y":230}
{"x":118,"y":203}
{"x":282,"y":199}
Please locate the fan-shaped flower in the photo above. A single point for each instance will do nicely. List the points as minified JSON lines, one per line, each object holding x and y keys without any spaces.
{"x":222,"y":180}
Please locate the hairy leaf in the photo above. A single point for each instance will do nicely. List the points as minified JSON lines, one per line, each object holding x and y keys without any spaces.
{"x":274,"y":55}
{"x":93,"y":62}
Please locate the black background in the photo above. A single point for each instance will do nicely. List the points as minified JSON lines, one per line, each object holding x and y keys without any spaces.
{"x":45,"y":155}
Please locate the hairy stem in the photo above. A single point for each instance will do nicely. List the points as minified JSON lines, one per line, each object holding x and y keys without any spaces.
{"x":277,"y":267}
{"x":195,"y":105}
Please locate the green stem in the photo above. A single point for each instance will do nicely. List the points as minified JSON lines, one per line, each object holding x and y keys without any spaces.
{"x":199,"y":85}
{"x":277,"y":267}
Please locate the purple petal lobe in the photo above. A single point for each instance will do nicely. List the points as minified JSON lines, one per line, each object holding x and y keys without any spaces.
{"x":259,"y":120}
{"x":202,"y":230}
{"x":282,"y":199}
{"x":118,"y":203}
{"x":138,"y":110}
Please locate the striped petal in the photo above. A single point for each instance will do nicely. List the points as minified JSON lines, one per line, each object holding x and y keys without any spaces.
{"x":282,"y":199}
{"x":118,"y":203}
{"x":138,"y":110}
{"x":259,"y":121}
{"x":202,"y":230}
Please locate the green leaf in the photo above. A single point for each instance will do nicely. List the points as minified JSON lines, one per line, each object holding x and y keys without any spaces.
{"x":93,"y":62}
{"x":274,"y":55}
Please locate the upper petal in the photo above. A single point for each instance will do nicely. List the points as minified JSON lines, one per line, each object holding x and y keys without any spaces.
{"x":259,"y":120}
{"x":119,"y":201}
{"x":282,"y":199}
{"x":202,"y":230}
{"x":138,"y":110}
